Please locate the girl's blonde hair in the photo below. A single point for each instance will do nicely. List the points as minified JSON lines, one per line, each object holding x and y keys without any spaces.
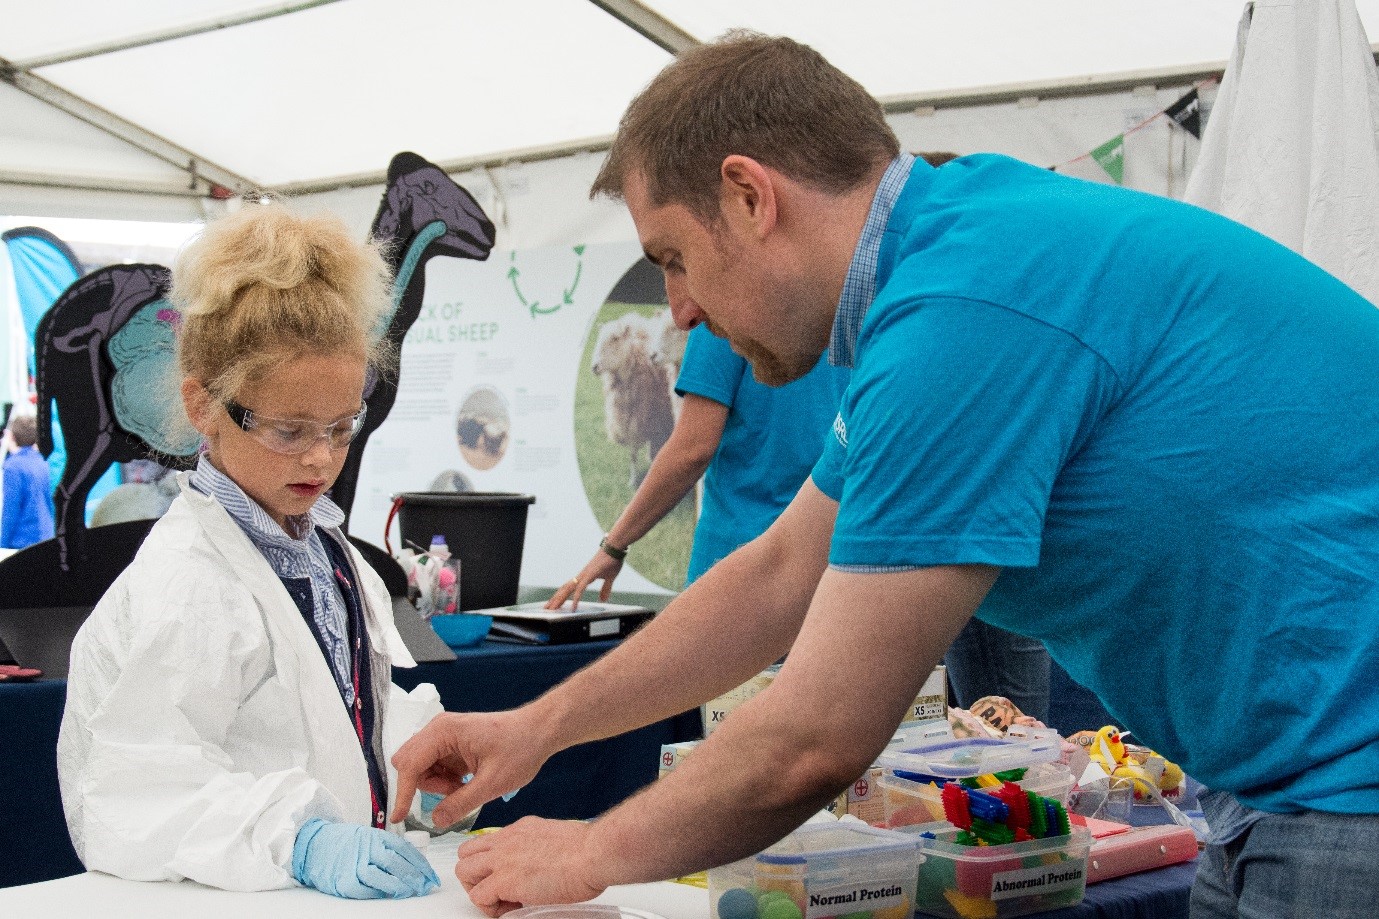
{"x":263,"y":286}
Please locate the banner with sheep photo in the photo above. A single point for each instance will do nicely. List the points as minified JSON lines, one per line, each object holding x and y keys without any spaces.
{"x":549,"y":372}
{"x":625,"y":408}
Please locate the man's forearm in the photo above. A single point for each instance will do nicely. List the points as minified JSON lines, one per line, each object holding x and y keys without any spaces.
{"x":867,"y":646}
{"x":721,"y":631}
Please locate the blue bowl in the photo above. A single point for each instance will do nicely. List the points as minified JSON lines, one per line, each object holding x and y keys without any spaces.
{"x":461,"y":630}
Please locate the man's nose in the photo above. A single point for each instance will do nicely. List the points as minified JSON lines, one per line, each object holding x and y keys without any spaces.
{"x":683,"y":309}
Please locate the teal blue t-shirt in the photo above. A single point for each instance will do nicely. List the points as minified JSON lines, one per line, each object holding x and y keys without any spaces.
{"x":1165,"y":428}
{"x":772,"y":438}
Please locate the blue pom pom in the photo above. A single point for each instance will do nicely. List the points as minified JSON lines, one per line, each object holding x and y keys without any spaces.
{"x":737,"y":903}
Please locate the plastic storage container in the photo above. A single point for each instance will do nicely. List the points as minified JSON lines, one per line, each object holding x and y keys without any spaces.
{"x":822,"y":870}
{"x":949,"y":758}
{"x":991,"y":882}
{"x":907,"y":801}
{"x":484,"y":530}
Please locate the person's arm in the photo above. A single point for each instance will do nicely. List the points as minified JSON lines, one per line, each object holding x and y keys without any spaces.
{"x":703,"y":644}
{"x":866,"y":646}
{"x":681,"y":462}
{"x":147,"y":769}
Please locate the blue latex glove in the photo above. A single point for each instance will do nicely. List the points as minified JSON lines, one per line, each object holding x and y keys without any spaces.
{"x":359,"y":862}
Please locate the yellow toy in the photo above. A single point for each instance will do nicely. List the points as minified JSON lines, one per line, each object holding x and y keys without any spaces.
{"x":970,"y":907}
{"x":1108,"y":749}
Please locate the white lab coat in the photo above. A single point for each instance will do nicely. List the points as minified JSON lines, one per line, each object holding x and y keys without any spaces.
{"x":203,"y":726}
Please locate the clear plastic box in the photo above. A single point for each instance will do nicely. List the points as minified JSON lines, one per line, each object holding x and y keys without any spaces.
{"x":950,"y":758}
{"x":906,"y":801}
{"x":992,"y":882}
{"x":822,"y":870}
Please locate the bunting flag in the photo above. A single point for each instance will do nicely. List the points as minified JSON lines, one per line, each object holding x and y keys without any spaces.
{"x":1187,"y":113}
{"x":1111,"y":157}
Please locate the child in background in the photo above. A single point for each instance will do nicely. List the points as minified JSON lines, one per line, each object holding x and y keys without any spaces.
{"x":228,"y":696}
{"x":28,"y":504}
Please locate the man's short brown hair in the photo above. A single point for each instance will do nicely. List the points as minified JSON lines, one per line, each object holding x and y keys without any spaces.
{"x":24,"y":430}
{"x":771,"y":99}
{"x":936,"y":157}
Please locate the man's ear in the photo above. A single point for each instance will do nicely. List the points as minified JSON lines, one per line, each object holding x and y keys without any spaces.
{"x":198,"y":404}
{"x":747,"y":197}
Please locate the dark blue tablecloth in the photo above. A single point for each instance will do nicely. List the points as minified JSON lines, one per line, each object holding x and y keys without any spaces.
{"x":33,"y":834}
{"x":579,"y":782}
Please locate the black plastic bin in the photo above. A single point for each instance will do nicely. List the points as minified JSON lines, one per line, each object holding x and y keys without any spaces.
{"x":485,"y":530}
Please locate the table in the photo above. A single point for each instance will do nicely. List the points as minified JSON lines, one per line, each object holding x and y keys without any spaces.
{"x":114,"y":898}
{"x":576,"y":783}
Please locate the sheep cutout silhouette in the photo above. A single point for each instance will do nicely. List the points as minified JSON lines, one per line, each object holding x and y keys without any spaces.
{"x":106,"y":348}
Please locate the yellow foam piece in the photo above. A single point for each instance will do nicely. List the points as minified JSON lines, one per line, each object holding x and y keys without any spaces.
{"x":700,"y":880}
{"x":970,"y":907}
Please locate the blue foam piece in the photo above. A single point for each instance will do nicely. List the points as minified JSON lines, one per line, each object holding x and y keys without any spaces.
{"x":737,"y":903}
{"x":980,"y":804}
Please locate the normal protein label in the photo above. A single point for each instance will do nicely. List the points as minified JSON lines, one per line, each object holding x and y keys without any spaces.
{"x":853,"y":898}
{"x":1065,"y":875}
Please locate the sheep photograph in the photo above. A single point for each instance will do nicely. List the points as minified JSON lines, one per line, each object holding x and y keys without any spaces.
{"x":625,"y":408}
{"x":482,"y":428}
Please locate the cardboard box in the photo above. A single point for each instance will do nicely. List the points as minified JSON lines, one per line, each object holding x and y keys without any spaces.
{"x":673,"y":753}
{"x":865,"y":800}
{"x":931,"y":703}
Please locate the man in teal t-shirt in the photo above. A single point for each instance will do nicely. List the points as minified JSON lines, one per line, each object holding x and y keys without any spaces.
{"x":1131,"y":428}
{"x":1163,"y":428}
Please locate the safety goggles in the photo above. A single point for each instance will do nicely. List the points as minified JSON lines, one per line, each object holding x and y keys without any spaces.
{"x":295,"y":435}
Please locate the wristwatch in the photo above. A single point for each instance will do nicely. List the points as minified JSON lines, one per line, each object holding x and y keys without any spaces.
{"x":613,"y":551}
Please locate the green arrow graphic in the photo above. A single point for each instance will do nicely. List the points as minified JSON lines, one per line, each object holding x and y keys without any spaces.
{"x":568,"y":294}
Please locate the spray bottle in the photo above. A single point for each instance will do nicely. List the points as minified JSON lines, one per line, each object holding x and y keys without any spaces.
{"x":445,"y":595}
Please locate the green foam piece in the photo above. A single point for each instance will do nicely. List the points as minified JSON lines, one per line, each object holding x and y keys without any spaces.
{"x":781,"y":909}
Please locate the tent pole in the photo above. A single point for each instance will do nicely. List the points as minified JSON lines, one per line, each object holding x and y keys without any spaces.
{"x":648,"y":23}
{"x":193,"y":163}
{"x":153,"y":38}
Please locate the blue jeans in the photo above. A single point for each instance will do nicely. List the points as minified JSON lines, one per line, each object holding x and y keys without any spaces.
{"x":1293,"y":866}
{"x":986,"y":661}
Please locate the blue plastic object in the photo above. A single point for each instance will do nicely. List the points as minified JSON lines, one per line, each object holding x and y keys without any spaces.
{"x":360,"y":862}
{"x":462,"y":630}
{"x":737,"y":903}
{"x":987,"y":807}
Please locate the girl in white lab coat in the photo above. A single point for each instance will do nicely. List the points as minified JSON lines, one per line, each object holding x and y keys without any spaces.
{"x":230,"y":709}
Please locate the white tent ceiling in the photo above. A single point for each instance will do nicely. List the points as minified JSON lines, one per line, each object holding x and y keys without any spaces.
{"x":309,"y":96}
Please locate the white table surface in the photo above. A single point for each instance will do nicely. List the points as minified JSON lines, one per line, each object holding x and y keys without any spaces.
{"x":110,"y":897}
